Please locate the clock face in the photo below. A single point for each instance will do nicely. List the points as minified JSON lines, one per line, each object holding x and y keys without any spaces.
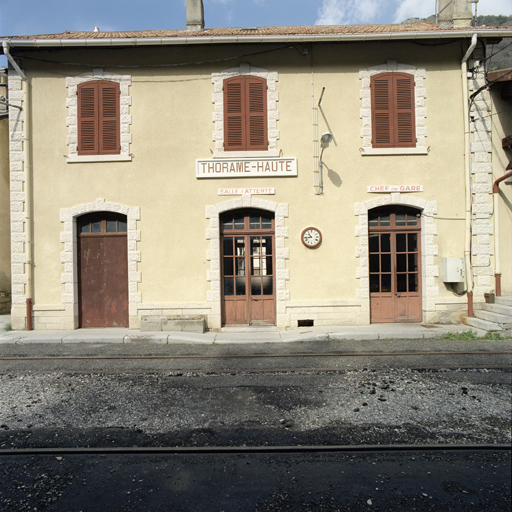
{"x":311,"y":237}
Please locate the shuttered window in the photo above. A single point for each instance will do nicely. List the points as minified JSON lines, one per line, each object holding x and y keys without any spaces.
{"x":245,"y":114}
{"x":393,"y":124}
{"x":98,"y":118}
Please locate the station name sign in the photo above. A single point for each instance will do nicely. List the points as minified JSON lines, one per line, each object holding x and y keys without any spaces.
{"x":394,"y":188}
{"x":246,"y":168}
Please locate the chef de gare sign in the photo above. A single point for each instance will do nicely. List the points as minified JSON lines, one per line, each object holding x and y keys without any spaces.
{"x":249,"y":168}
{"x":394,"y":188}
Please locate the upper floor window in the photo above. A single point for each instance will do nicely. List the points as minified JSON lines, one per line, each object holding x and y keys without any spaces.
{"x":98,"y":118}
{"x":245,"y":114}
{"x":393,"y":124}
{"x":393,"y":110}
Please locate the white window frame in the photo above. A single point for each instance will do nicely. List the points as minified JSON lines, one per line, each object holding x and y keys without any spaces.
{"x":72,"y":83}
{"x":218,"y":115}
{"x":420,"y":111}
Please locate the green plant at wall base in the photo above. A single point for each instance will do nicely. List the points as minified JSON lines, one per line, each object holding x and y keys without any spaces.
{"x":494,"y":336}
{"x":8,"y":327}
{"x":465,"y":336}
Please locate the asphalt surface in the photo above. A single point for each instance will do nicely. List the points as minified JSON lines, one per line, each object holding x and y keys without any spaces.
{"x":372,"y":481}
{"x":311,"y":393}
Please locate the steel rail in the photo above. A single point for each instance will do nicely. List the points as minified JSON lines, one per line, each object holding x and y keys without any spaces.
{"x":200,"y":450}
{"x":218,"y":371}
{"x":255,"y":356}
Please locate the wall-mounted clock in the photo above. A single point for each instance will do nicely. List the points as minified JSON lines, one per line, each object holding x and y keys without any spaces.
{"x":311,"y":237}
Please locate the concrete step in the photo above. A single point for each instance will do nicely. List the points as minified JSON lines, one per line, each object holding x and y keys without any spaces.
{"x":491,"y":316}
{"x":507,"y":301}
{"x":478,"y":323}
{"x":498,"y":308}
{"x":249,"y":328}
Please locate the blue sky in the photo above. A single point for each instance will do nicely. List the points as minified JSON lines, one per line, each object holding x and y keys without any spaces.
{"x":28,"y":17}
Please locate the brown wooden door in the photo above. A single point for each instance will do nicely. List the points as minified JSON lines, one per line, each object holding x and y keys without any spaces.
{"x":394,"y":257}
{"x":248,"y":284}
{"x":103,"y":270}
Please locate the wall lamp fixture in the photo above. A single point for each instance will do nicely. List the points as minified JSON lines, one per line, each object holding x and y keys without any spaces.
{"x":325,"y":140}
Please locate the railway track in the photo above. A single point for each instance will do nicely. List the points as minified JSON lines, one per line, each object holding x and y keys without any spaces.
{"x":256,"y":356}
{"x":259,"y":363}
{"x":190,"y":450}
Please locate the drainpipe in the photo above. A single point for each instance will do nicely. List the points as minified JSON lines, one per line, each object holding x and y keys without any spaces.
{"x":28,"y":184}
{"x":497,"y":259}
{"x":467,"y":169}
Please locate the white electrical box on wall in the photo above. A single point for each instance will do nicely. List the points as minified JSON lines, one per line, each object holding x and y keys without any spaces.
{"x":454,"y":270}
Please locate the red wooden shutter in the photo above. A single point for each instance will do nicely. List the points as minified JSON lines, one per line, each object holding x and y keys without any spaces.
{"x":245,"y":114}
{"x":234,"y":128}
{"x":393,"y":123}
{"x":98,"y":118}
{"x":109,"y":136}
{"x":405,"y":132}
{"x":87,"y":119}
{"x":382,"y":110}
{"x":256,"y":97}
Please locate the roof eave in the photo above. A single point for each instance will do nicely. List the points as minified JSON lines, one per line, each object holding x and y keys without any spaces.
{"x":247,"y":39}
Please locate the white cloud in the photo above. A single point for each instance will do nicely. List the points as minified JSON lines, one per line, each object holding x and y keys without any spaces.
{"x":344,"y":12}
{"x":331,"y":13}
{"x":413,"y":9}
{"x":417,"y":9}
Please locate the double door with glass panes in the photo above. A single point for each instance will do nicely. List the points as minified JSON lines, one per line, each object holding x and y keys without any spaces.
{"x":394,"y":259}
{"x":248,"y":275}
{"x":102,"y":270}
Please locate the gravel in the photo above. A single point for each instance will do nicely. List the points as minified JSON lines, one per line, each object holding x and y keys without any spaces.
{"x":193,"y":409}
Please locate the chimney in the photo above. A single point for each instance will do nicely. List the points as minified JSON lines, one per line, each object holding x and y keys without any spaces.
{"x":454,"y":13}
{"x":195,"y":15}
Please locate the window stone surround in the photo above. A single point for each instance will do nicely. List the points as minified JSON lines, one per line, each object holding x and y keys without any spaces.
{"x":420,"y":94}
{"x":69,"y":254}
{"x":218,"y":100}
{"x":429,"y":251}
{"x":213,"y":213}
{"x":125,"y":101}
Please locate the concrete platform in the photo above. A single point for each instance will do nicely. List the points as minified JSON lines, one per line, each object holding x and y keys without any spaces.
{"x":239,"y":335}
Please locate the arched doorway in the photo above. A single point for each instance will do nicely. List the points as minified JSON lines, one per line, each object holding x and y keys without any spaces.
{"x":394,"y":264}
{"x":248,"y":267}
{"x":102,"y":270}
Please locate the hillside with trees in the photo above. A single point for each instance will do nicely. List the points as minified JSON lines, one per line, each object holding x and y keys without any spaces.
{"x":499,"y":56}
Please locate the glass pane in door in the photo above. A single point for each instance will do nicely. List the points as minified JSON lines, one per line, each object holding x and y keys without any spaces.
{"x":261,"y":265}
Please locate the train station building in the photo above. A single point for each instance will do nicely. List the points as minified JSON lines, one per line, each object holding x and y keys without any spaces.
{"x":281,"y":176}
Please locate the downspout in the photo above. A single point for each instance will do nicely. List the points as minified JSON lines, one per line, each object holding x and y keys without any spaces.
{"x":28,"y":184}
{"x":497,"y":259}
{"x":467,"y":170}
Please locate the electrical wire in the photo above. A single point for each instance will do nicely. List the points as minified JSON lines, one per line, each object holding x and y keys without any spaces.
{"x":193,"y":63}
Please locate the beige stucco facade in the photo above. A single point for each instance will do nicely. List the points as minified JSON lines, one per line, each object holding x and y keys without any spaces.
{"x":171,"y":116}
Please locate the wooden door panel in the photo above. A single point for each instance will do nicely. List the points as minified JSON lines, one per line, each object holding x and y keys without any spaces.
{"x":91,"y":282}
{"x":408,"y":309}
{"x":235,"y":312}
{"x":115,"y":276}
{"x":103,"y":286}
{"x":382,"y":308}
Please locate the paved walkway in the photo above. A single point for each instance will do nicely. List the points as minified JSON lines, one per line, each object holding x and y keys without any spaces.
{"x":234,"y":335}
